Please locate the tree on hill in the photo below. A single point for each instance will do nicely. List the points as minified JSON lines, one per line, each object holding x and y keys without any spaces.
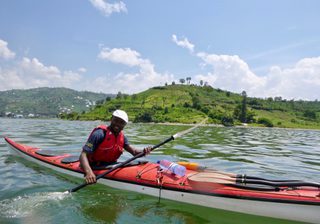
{"x":310,"y":114}
{"x":188,"y":80}
{"x":143,"y":117}
{"x":119,"y":95}
{"x":243,"y":114}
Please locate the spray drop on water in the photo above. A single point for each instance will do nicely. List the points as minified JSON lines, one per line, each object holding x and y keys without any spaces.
{"x":23,"y":206}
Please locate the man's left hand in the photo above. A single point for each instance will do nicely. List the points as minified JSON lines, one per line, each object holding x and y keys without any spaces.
{"x":147,"y":150}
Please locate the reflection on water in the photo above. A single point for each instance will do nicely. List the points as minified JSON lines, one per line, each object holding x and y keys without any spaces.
{"x":271,"y":153}
{"x":98,"y":205}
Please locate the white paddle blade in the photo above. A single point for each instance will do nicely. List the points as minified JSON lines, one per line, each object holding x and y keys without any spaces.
{"x":211,"y":178}
{"x":179,"y":134}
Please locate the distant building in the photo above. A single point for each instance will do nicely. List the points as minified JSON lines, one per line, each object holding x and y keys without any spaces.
{"x":9,"y":114}
{"x":31,"y":116}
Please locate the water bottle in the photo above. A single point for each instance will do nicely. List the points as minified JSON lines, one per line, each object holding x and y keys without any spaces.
{"x":172,"y":167}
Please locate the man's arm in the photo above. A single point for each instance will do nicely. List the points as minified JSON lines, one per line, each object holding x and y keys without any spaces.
{"x":131,"y":150}
{"x":93,"y":141}
{"x":90,"y":177}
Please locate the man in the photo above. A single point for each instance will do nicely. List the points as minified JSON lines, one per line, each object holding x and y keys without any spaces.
{"x":105,"y":145}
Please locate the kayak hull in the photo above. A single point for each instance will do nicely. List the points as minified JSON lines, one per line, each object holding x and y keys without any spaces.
{"x":298,"y":205}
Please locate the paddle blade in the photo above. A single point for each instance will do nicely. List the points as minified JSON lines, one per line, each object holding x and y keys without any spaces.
{"x":179,"y":134}
{"x":211,"y":178}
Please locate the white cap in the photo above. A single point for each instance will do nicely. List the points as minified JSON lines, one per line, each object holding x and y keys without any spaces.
{"x":121,"y":114}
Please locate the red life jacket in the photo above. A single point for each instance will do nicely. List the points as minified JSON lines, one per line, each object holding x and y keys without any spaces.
{"x":110,"y":149}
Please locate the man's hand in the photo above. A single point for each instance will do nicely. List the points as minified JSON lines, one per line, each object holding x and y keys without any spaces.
{"x":90,"y":178}
{"x":147,"y":150}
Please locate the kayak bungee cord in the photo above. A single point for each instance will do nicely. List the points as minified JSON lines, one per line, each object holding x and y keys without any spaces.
{"x":173,"y":137}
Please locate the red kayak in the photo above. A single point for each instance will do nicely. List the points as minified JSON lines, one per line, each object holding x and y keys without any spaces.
{"x":286,"y":199}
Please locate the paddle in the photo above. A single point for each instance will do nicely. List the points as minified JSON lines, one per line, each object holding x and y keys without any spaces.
{"x":221,"y":178}
{"x":177,"y":135}
{"x":200,"y":168}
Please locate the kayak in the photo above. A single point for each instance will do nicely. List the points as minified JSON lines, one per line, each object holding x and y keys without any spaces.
{"x":284,"y":199}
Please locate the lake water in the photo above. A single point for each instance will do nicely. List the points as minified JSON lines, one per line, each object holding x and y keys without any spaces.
{"x":31,"y":194}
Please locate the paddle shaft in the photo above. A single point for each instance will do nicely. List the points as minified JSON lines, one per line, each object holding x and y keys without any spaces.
{"x":244,"y":179}
{"x":279,"y":184}
{"x":122,"y":164}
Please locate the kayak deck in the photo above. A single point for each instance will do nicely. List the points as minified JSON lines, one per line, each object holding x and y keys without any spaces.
{"x":145,"y":177}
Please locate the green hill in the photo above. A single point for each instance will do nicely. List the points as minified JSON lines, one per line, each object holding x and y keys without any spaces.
{"x":46,"y":102}
{"x":191,"y":104}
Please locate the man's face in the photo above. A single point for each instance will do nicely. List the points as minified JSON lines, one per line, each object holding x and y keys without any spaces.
{"x":117,"y":124}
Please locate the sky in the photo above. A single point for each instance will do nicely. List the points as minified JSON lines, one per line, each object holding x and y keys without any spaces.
{"x":266,"y":48}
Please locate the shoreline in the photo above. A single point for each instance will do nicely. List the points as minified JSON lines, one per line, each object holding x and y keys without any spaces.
{"x":235,"y":126}
{"x":176,"y":124}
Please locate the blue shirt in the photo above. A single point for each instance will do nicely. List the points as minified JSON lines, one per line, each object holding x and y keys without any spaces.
{"x":95,"y":139}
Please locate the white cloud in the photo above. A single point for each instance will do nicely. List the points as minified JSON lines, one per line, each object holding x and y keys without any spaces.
{"x":124,"y":56}
{"x":108,"y":8}
{"x":82,"y":70}
{"x":9,"y":79}
{"x":34,"y":68}
{"x":69,"y":78}
{"x":183,"y":43}
{"x":128,"y":82}
{"x":5,"y":52}
{"x":31,"y":73}
{"x":230,"y":73}
{"x":132,"y":82}
{"x":302,"y":81}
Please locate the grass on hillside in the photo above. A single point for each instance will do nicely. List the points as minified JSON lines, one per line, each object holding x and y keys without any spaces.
{"x":191,"y":104}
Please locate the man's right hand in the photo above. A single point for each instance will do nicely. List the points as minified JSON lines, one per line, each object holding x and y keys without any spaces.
{"x":90,"y":178}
